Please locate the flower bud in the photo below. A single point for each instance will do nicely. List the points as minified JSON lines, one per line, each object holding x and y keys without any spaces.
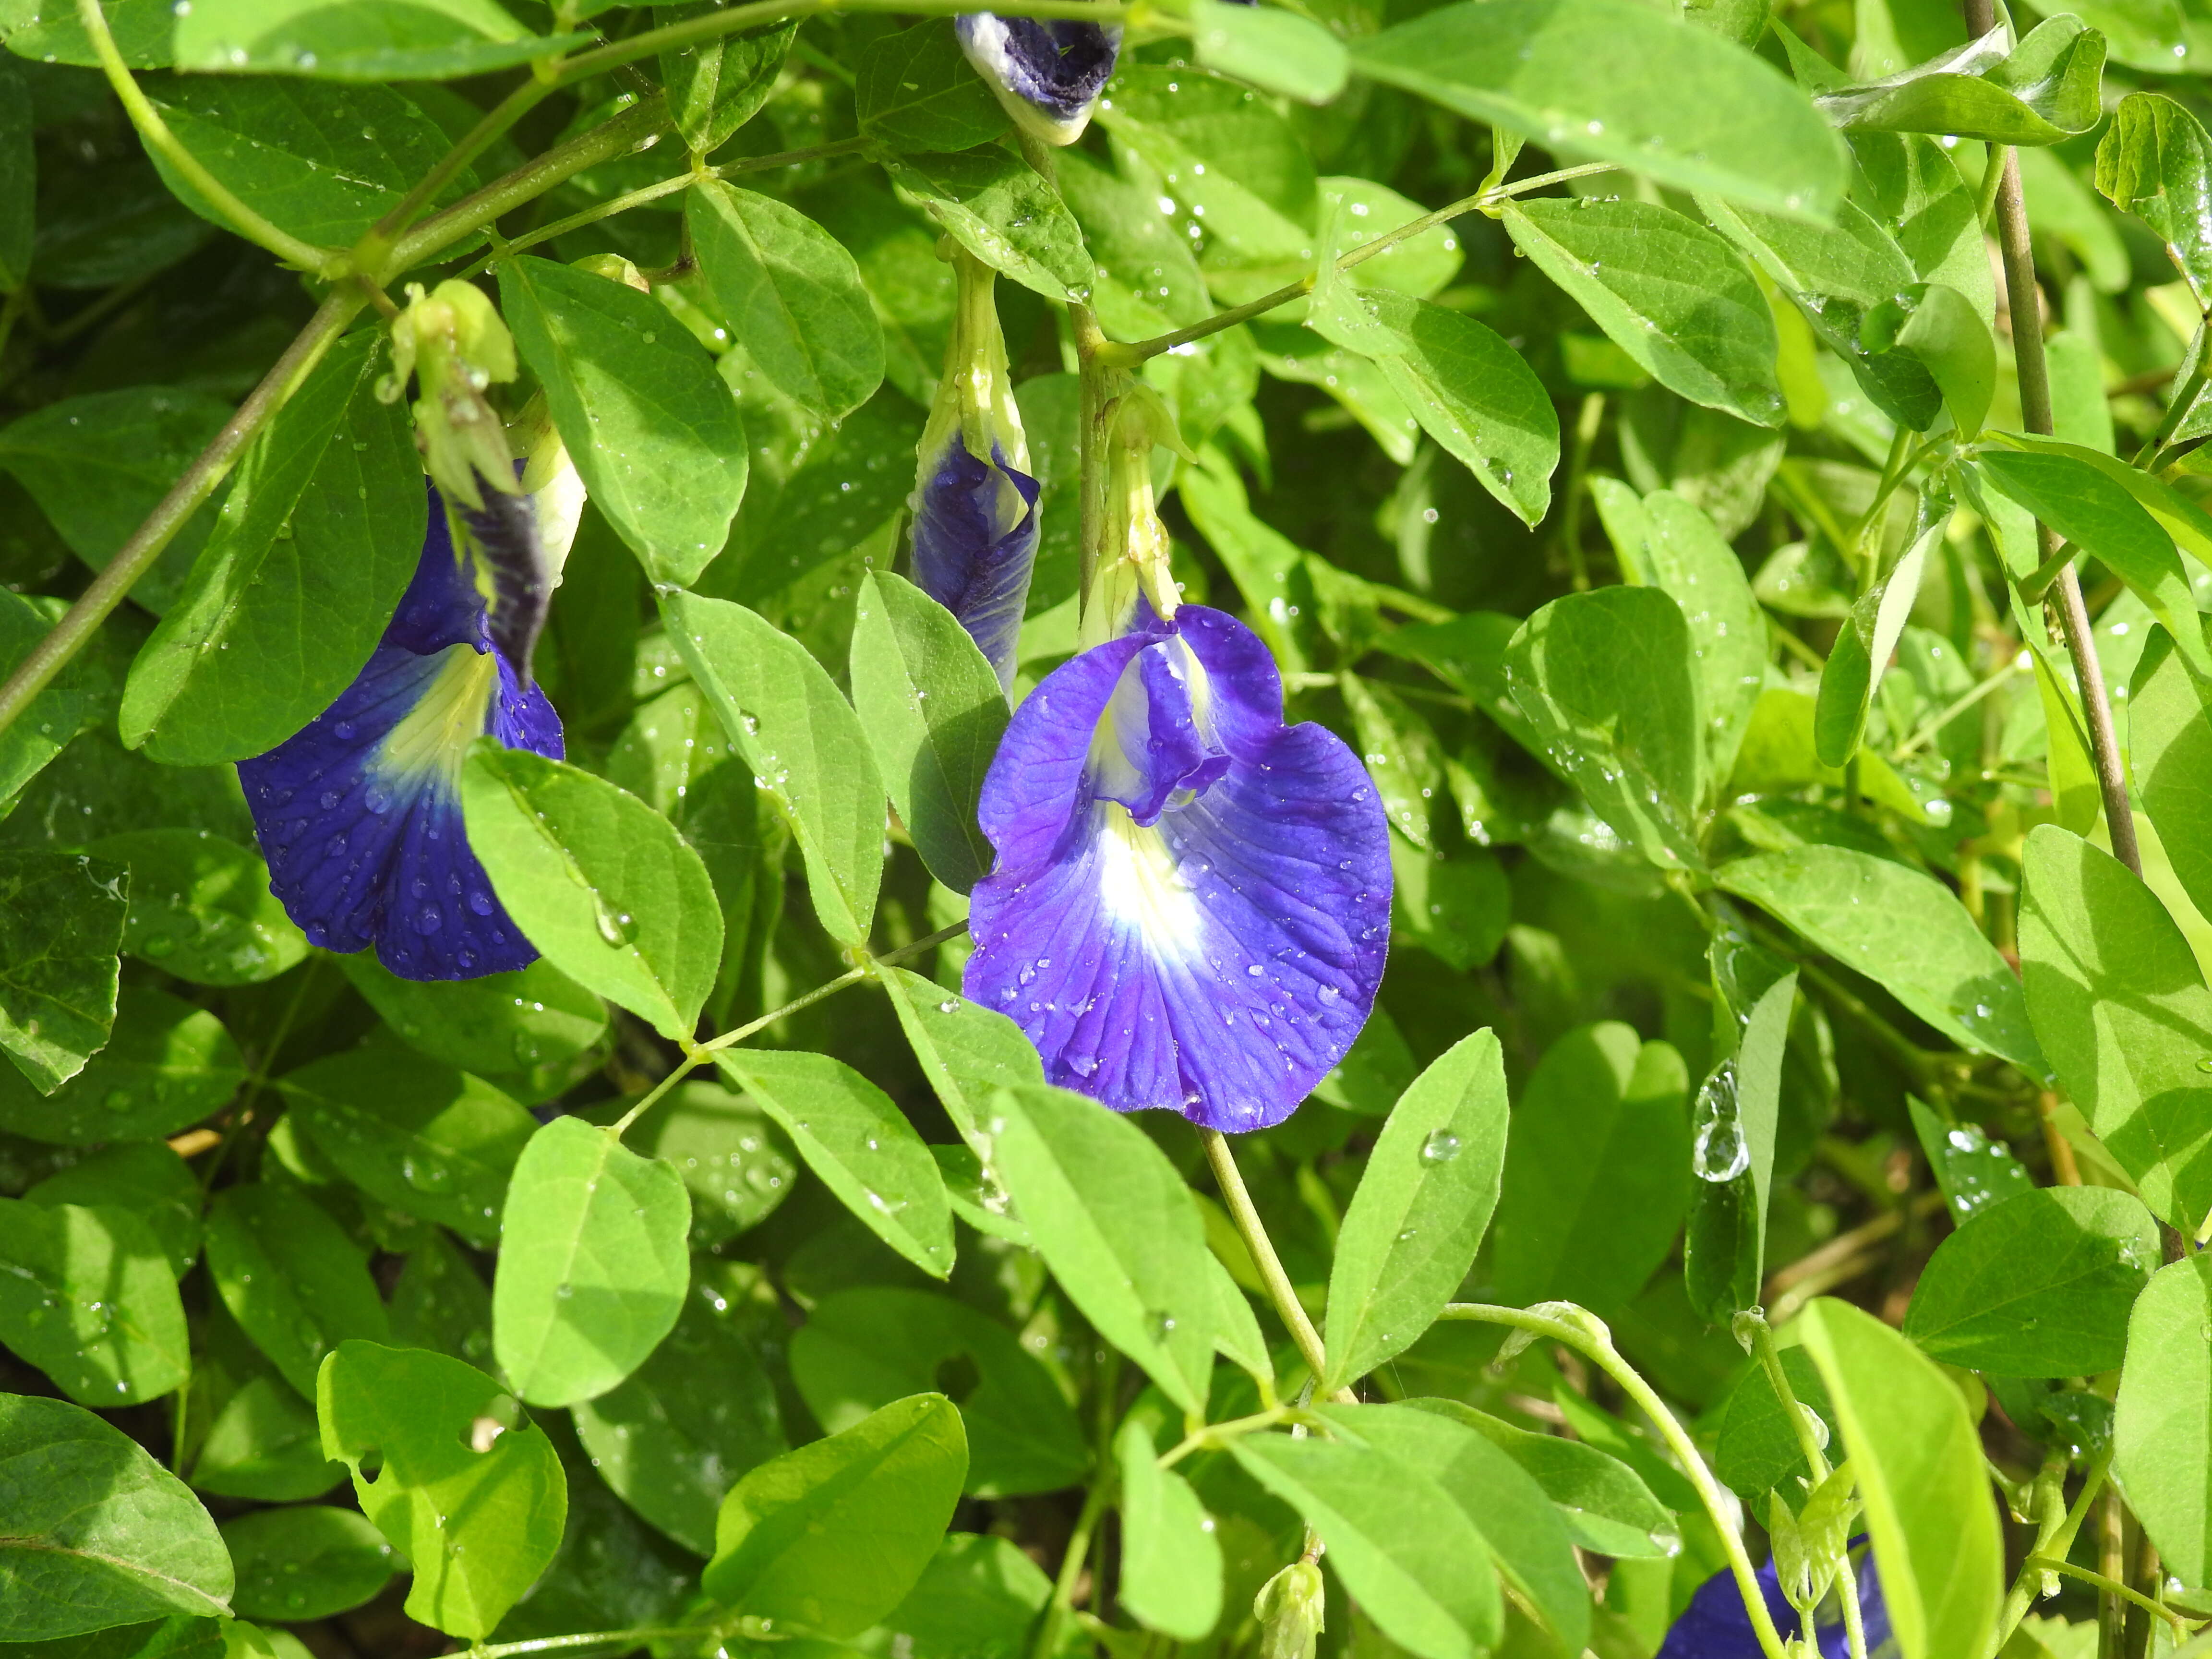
{"x":454,"y":345}
{"x":974,"y":499}
{"x":1047,"y":73}
{"x":1288,"y":1607}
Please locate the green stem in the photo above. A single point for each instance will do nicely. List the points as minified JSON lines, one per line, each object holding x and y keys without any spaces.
{"x":597,"y":1638}
{"x":2152,"y":455}
{"x":1596,"y":1346}
{"x":83,"y":619}
{"x":1254,"y":1231}
{"x":155,"y":130}
{"x":1129,"y":356}
{"x":2055,"y":1525}
{"x":1935,"y":723}
{"x":1816,"y":1462}
{"x":2112,"y":1587}
{"x":1216,"y":1434}
{"x":1047,"y":1642}
{"x":646,"y":193}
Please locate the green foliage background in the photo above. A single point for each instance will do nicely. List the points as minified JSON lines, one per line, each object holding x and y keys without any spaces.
{"x":1660,"y":522}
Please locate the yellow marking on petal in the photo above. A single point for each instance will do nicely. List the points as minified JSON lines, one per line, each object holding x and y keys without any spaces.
{"x":429,"y":742}
{"x":1141,"y":886}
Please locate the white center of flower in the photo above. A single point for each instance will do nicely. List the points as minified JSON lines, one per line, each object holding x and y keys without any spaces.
{"x":428,"y":744}
{"x":1141,"y":887}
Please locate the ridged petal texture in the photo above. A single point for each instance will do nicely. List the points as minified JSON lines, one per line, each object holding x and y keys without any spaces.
{"x":359,"y":813}
{"x":1192,"y":901}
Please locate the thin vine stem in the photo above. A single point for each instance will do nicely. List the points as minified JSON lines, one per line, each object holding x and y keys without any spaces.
{"x":1254,"y":1231}
{"x":1054,"y":1616}
{"x":155,"y":130}
{"x":2052,"y":1521}
{"x":1816,"y":1462}
{"x":699,"y":1053}
{"x":596,"y":1638}
{"x":1597,"y":1348}
{"x":1130,"y":354}
{"x":2112,"y":1587}
{"x":2034,"y":372}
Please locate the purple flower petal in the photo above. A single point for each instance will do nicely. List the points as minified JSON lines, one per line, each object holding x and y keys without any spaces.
{"x":359,"y":813}
{"x":1717,"y":1626}
{"x":1214,"y":952}
{"x":974,"y":545}
{"x":1047,"y":73}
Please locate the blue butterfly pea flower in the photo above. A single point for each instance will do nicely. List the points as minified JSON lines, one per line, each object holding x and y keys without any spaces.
{"x":975,"y":501}
{"x":1046,"y":73}
{"x":1191,"y":904}
{"x":1717,"y":1626}
{"x":359,"y":813}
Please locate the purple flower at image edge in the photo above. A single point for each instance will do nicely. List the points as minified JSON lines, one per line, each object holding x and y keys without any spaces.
{"x":1048,"y":73}
{"x":1717,"y":1626}
{"x":1191,"y":904}
{"x":359,"y":812}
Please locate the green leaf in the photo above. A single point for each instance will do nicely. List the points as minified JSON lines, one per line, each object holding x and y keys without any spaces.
{"x":18,"y":180}
{"x":100,"y":1535}
{"x":803,"y":742}
{"x":2162,"y":1425}
{"x":1605,"y":1504}
{"x":201,"y":907}
{"x":1469,"y":390}
{"x":61,"y":923}
{"x":146,"y":1179}
{"x":715,"y":86}
{"x":291,"y":1277}
{"x":858,"y":1142}
{"x":591,"y":1263}
{"x":2084,"y":506}
{"x":1671,"y":294}
{"x":1973,"y":1170}
{"x":598,"y":880}
{"x":653,"y":431}
{"x":1597,"y":1171}
{"x":2038,"y":92}
{"x":2155,"y":162}
{"x":529,"y":1032}
{"x":1413,"y":1225}
{"x":359,"y":40}
{"x":673,"y":1437}
{"x":737,"y":1162}
{"x":1457,"y":910}
{"x":1172,"y":1564}
{"x":324,"y":162}
{"x":1756,"y":1449}
{"x":915,"y":91}
{"x":979,"y":1598}
{"x":261,"y":1441}
{"x":1937,"y":1543}
{"x":1864,"y":648}
{"x":1902,"y":929}
{"x":1238,"y":167}
{"x":2122,"y":1009}
{"x":861,"y":1349}
{"x":967,"y":1052}
{"x":421,"y":1137}
{"x":1508,"y":1508}
{"x":1116,"y":1226}
{"x":996,"y":206}
{"x":48,"y":31}
{"x":1605,"y":80}
{"x":98,"y":463}
{"x":1734,"y":1122}
{"x":2170,"y":752}
{"x":790,"y":291}
{"x":89,"y":1299}
{"x":1402,"y":1544}
{"x":80,"y":697}
{"x":1609,"y":681}
{"x":787,"y":1545}
{"x":167,"y":1066}
{"x":1939,"y":328}
{"x":1275,"y":51}
{"x":934,"y":712}
{"x":467,"y":1489}
{"x":295,"y":1564}
{"x":1836,"y":275}
{"x":1686,"y":555}
{"x":317,"y":540}
{"x":2038,"y":1285}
